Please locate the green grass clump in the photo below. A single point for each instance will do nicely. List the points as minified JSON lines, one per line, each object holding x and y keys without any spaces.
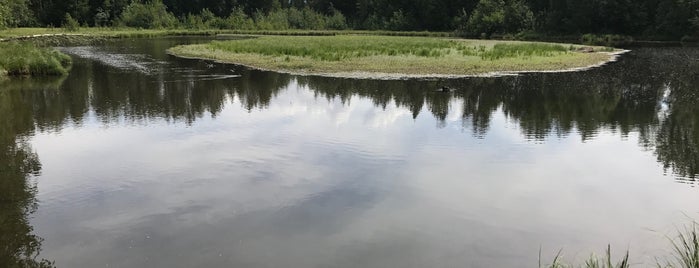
{"x":500,"y":51}
{"x":686,"y":249}
{"x":23,"y":58}
{"x":592,"y":262}
{"x":337,"y":48}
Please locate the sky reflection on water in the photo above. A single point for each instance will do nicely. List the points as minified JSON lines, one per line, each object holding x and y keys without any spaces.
{"x":160,"y":169}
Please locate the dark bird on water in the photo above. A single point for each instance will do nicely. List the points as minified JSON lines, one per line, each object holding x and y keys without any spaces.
{"x":445,"y":89}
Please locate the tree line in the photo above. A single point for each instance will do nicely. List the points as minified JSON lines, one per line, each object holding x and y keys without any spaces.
{"x":655,"y":19}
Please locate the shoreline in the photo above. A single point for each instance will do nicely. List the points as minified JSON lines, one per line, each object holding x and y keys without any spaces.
{"x":613,"y":57}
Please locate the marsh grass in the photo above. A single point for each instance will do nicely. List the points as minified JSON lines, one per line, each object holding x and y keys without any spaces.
{"x":22,"y":58}
{"x":500,"y":51}
{"x":685,"y":254}
{"x":686,"y":248}
{"x":592,"y":262}
{"x":391,"y":54}
{"x":338,"y":48}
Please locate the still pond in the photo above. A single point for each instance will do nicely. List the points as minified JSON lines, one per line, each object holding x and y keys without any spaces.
{"x":140,"y":159}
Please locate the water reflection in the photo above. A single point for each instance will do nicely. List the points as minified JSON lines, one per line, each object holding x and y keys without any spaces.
{"x":18,"y":165}
{"x":651,"y":93}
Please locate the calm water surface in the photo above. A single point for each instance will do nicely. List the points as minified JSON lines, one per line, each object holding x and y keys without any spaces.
{"x":139,"y":159}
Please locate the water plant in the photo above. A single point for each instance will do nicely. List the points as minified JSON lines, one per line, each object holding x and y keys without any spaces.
{"x":686,"y":249}
{"x":592,"y":262}
{"x":23,"y":58}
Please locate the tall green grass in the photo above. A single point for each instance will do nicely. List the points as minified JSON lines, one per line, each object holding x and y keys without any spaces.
{"x":338,"y":48}
{"x":592,"y":262}
{"x":22,"y":58}
{"x":686,"y":249}
{"x":500,"y":51}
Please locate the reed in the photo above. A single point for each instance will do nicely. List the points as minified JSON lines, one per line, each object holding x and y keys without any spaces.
{"x":27,"y":59}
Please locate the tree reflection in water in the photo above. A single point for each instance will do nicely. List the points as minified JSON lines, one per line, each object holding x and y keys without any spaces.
{"x":19,"y":246}
{"x":652,"y":92}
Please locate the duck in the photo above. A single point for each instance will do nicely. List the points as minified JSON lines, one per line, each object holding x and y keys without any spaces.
{"x":445,"y":89}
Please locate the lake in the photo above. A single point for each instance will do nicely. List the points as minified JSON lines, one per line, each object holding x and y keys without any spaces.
{"x":140,"y":159}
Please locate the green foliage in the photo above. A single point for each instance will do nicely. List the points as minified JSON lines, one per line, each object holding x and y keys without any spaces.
{"x":592,"y":262}
{"x":500,"y":51}
{"x":686,"y":247}
{"x":4,"y":14}
{"x":290,"y":18}
{"x":275,"y":20}
{"x":238,"y":20}
{"x":27,"y":59}
{"x":15,"y":13}
{"x":338,"y":48}
{"x":398,"y":21}
{"x":497,"y":16}
{"x":70,"y":24}
{"x":101,"y":17}
{"x":487,"y":18}
{"x":518,"y":17}
{"x":150,"y":15}
{"x":606,"y":40}
{"x":654,"y":19}
{"x":336,"y":21}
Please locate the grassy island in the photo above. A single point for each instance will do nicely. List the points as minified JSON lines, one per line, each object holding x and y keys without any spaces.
{"x":27,"y":59}
{"x":389,"y":56}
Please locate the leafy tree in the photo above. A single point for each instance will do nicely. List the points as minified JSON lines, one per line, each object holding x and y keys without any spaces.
{"x":399,"y":21}
{"x":4,"y":14}
{"x":487,"y":18}
{"x":70,"y":24}
{"x":655,"y":18}
{"x":16,"y":13}
{"x":336,"y":20}
{"x":101,"y":18}
{"x":239,"y":20}
{"x":149,"y":15}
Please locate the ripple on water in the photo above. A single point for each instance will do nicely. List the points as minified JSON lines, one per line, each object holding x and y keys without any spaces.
{"x":125,"y":61}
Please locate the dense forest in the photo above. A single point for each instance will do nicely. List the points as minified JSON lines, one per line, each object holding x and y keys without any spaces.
{"x":651,"y":19}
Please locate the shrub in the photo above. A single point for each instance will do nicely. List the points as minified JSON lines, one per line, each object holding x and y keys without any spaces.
{"x":27,"y":59}
{"x":101,"y":18}
{"x":150,"y":15}
{"x":606,"y":40}
{"x":500,"y":51}
{"x":497,"y":16}
{"x":275,"y":20}
{"x":336,"y":20}
{"x":398,"y":21}
{"x":70,"y":24}
{"x":238,"y":20}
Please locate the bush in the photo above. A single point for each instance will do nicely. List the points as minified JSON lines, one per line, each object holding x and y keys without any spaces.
{"x":606,"y":40}
{"x":27,"y":59}
{"x":497,"y":16}
{"x":336,"y":20}
{"x":150,"y":15}
{"x":16,"y":13}
{"x":238,"y":20}
{"x":193,"y":22}
{"x":101,"y":18}
{"x":70,"y":24}
{"x":275,"y":20}
{"x":398,"y":21}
